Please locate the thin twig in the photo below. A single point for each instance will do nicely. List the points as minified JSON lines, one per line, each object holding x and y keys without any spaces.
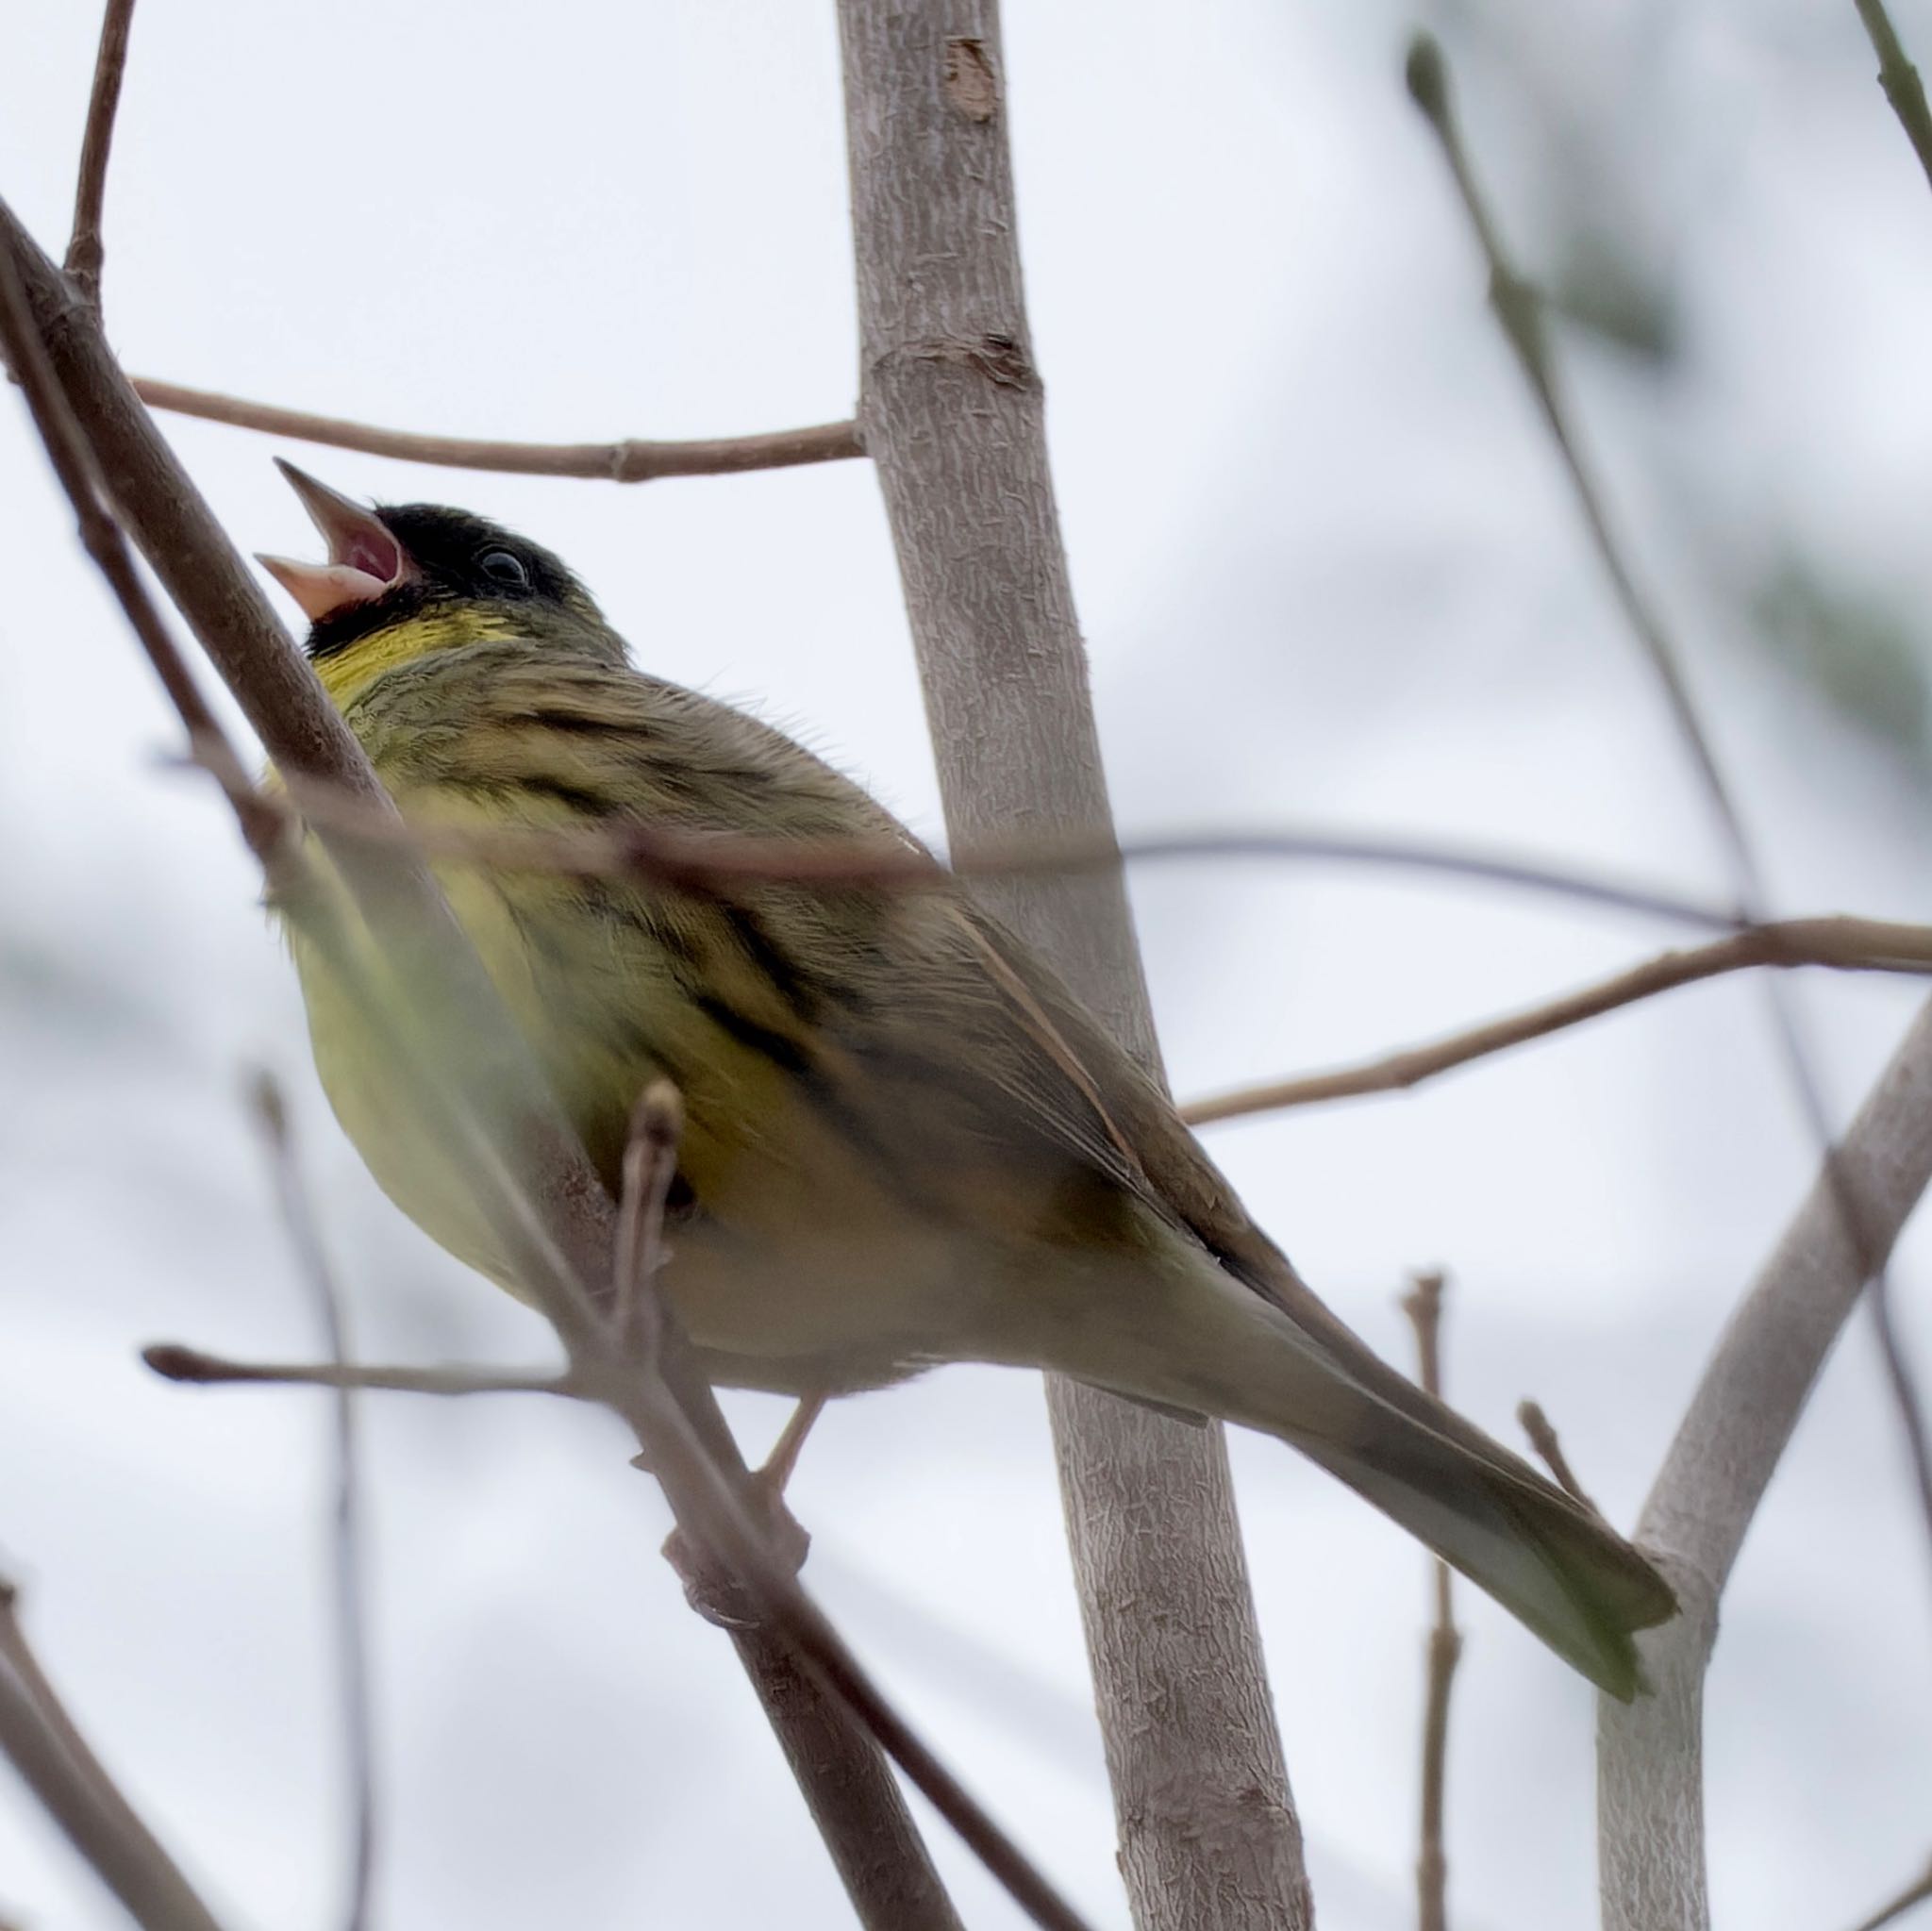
{"x":39,"y":1739}
{"x":650,"y":1163}
{"x":1423,"y":1307}
{"x":631,"y":460}
{"x":1845,"y":945}
{"x":174,"y":1361}
{"x":702,"y":861}
{"x":1916,"y":1892}
{"x":1517,"y":308}
{"x":1900,"y":80}
{"x":1543,"y":1439}
{"x":352,"y":1644}
{"x":110,"y":65}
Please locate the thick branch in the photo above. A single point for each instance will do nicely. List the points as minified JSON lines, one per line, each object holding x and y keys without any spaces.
{"x":53,"y":1758}
{"x":1845,"y":945}
{"x":629,"y":461}
{"x":953,"y":415}
{"x":1649,"y":1753}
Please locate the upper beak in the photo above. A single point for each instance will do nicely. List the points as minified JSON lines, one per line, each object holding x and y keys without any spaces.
{"x":364,"y":559}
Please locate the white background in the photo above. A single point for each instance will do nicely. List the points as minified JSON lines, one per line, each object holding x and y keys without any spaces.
{"x":1329,"y":570}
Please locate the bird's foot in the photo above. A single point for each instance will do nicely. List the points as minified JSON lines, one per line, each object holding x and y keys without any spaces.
{"x":709,"y":1586}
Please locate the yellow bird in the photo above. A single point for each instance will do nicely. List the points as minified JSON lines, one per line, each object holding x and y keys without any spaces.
{"x":906,"y":1143}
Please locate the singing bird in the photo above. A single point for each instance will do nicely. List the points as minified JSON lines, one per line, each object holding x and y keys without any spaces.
{"x":906,"y":1143}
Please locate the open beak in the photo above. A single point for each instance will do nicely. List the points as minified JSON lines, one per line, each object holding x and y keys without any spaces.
{"x":364,"y":560}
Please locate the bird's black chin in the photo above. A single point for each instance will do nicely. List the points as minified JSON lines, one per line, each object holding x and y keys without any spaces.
{"x":347,"y":625}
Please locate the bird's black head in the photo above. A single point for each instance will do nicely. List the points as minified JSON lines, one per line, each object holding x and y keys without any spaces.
{"x":400,"y":564}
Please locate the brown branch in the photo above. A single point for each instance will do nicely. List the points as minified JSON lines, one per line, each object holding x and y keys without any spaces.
{"x":1423,"y":1307}
{"x":480,"y":1090}
{"x":110,"y":65}
{"x":1543,"y":1439}
{"x":1918,"y":1893}
{"x":351,"y":1612}
{"x":1844,"y":944}
{"x":54,"y":1761}
{"x":629,"y":460}
{"x":1900,"y":80}
{"x":702,"y":861}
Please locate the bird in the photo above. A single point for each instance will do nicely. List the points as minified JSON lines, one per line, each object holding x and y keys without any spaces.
{"x":906,"y":1143}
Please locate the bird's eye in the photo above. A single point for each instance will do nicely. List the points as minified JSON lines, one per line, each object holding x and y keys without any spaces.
{"x":501,"y":567}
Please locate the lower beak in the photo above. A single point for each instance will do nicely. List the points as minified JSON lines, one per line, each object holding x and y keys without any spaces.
{"x":365,"y":560}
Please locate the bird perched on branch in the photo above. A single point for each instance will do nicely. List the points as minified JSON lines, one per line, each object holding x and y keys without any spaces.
{"x":906,"y":1143}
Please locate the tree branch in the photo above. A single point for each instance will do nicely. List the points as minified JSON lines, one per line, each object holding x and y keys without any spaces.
{"x":629,"y":460}
{"x":1900,"y":80}
{"x":700,"y":861}
{"x":1918,"y":1893}
{"x":1649,"y":1753}
{"x":1423,"y":1307}
{"x":110,"y":65}
{"x":952,"y":413}
{"x":39,"y":1738}
{"x":1845,"y":945}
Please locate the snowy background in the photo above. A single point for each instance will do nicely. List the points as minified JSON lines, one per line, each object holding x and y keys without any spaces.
{"x":1329,"y":570}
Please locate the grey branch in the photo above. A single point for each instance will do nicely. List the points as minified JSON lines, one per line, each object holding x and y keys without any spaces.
{"x":952,"y":412}
{"x":1650,"y":1754}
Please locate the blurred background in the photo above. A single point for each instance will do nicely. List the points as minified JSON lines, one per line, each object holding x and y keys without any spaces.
{"x":1329,"y":571}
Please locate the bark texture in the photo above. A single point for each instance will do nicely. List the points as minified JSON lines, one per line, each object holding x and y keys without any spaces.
{"x":1650,"y":1769}
{"x":952,"y":411}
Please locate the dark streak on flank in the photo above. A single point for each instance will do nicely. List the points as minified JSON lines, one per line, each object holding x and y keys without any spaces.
{"x":823,"y":1094}
{"x":574,"y":797}
{"x":584,"y":724}
{"x":804,"y":991}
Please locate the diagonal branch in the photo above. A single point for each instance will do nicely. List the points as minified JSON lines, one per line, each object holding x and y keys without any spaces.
{"x":631,"y":460}
{"x":1845,"y":945}
{"x":39,"y":1739}
{"x":110,"y":65}
{"x":1900,"y":80}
